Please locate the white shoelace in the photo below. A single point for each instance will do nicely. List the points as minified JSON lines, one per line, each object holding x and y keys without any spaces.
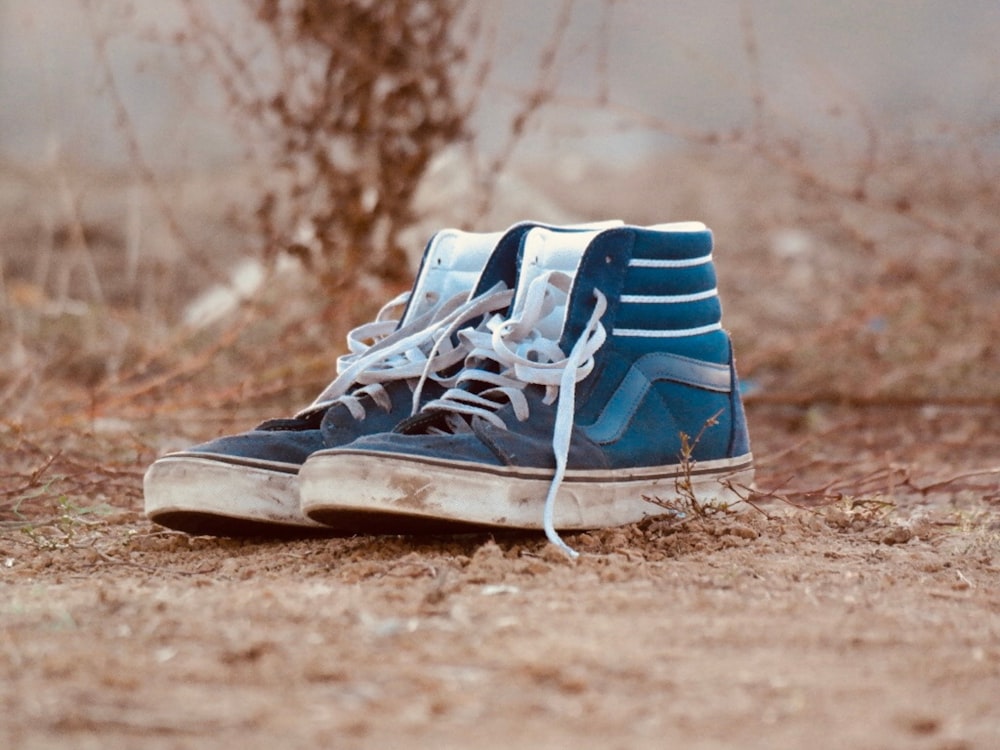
{"x":525,"y":346}
{"x":418,"y":350}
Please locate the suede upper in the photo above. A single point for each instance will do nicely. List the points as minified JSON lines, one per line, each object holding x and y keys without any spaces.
{"x":292,"y":440}
{"x":665,"y":369}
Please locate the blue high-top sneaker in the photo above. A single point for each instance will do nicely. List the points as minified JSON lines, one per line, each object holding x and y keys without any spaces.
{"x":609,"y":381}
{"x":248,"y":483}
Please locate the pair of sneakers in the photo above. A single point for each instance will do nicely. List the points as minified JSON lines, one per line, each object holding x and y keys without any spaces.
{"x":539,"y":378}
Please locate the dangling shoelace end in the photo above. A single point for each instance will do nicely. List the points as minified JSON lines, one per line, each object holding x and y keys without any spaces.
{"x":550,"y":531}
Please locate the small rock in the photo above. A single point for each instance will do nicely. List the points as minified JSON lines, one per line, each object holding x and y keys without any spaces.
{"x":897,"y":535}
{"x":742,"y":531}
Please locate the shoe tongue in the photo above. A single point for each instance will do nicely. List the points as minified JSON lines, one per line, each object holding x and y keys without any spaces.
{"x":452,"y":263}
{"x":502,"y":264}
{"x":544,"y":251}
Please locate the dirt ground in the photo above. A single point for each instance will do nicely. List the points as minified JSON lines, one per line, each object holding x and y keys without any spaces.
{"x":869,"y":617}
{"x":857,"y":606}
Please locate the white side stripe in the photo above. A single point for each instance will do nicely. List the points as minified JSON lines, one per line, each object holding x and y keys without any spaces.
{"x":669,"y":263}
{"x":667,"y":299}
{"x":666,"y":334}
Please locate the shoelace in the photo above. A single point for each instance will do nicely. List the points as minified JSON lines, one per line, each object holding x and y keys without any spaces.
{"x":521,"y":350}
{"x":420,"y":349}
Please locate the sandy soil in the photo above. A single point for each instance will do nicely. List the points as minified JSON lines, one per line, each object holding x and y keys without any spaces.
{"x":872,"y":621}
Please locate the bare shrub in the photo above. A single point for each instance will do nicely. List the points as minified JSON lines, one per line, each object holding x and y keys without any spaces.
{"x":353,"y":100}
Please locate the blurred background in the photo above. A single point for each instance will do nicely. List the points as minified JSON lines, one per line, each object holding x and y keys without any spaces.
{"x":911,"y":65}
{"x":198,"y":200}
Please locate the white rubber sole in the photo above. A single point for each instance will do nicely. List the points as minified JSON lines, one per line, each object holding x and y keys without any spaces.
{"x":393,"y":493}
{"x":206,"y":494}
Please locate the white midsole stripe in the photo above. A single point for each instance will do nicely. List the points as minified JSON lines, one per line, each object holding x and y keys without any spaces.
{"x":397,"y":488}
